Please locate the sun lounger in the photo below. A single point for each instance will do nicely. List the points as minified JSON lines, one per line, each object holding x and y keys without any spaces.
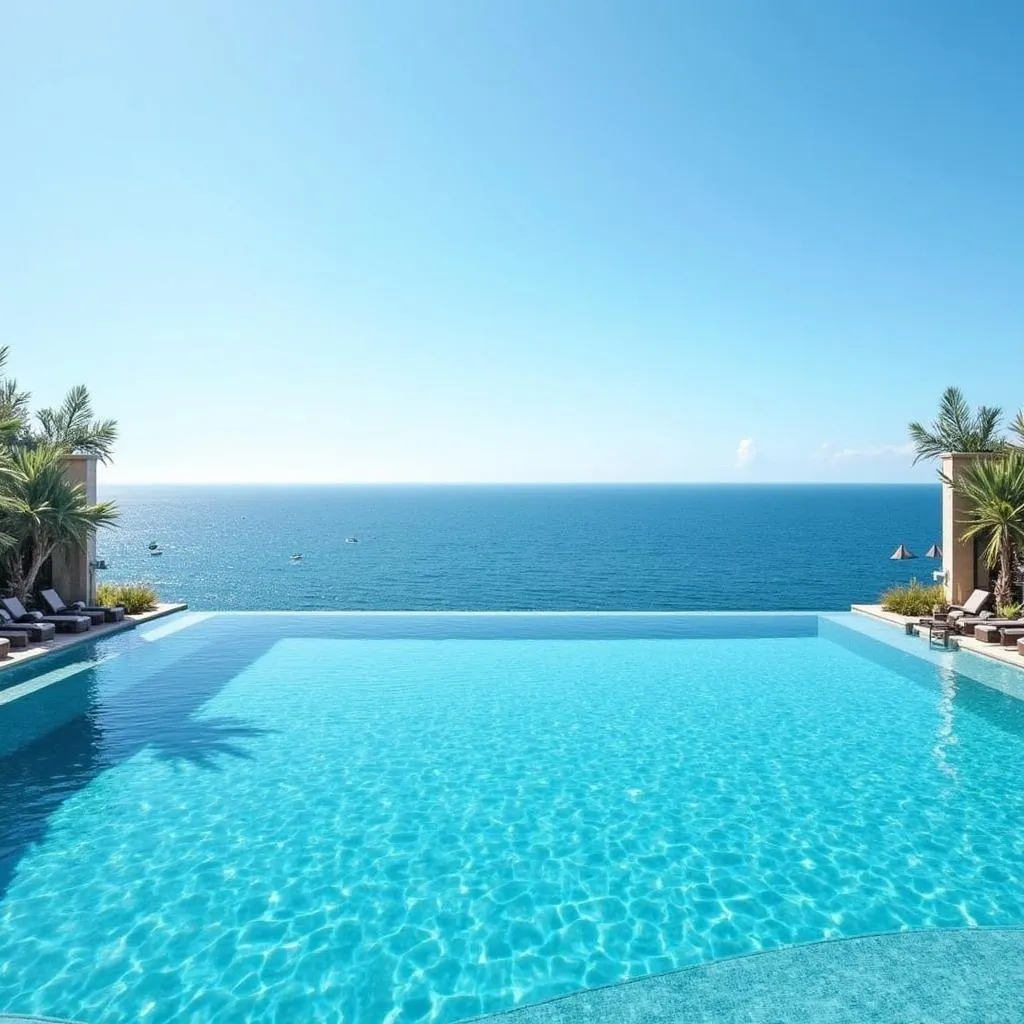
{"x":966,"y":625}
{"x":56,"y":606}
{"x":974,"y":604}
{"x":64,"y":623}
{"x":987,"y":633}
{"x":16,"y":639}
{"x":958,"y":614}
{"x":1008,"y":637}
{"x":37,"y":632}
{"x":988,"y":624}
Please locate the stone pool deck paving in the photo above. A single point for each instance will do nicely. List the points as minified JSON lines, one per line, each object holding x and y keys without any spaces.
{"x":952,"y":977}
{"x":1006,"y":655}
{"x":62,"y":641}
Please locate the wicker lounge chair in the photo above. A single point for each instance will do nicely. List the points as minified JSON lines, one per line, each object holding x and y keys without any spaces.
{"x":960,"y":614}
{"x":970,"y":627}
{"x":64,"y":623}
{"x":973,"y":605}
{"x":1009,"y":635}
{"x":991,"y":632}
{"x":16,"y":640}
{"x":56,"y":606}
{"x":37,"y":632}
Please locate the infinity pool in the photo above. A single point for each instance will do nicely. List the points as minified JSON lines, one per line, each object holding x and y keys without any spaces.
{"x":426,"y":818}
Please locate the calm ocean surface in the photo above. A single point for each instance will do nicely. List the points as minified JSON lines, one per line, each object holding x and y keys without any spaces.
{"x":522,"y":547}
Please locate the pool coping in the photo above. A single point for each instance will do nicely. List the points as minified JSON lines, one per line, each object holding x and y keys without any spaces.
{"x":64,"y":641}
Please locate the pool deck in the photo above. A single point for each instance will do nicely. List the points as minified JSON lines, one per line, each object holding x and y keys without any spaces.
{"x":1006,"y":655}
{"x":62,"y":641}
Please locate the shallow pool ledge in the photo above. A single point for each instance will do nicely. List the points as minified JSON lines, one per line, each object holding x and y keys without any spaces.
{"x":910,"y":624}
{"x":912,"y":977}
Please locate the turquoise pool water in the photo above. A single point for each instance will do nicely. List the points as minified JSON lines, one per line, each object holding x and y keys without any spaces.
{"x":395,"y":818}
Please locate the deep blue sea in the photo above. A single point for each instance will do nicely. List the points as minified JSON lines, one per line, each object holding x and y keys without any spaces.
{"x":698,"y":547}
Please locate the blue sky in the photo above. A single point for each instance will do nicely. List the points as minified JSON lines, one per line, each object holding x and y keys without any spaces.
{"x":535,"y":240}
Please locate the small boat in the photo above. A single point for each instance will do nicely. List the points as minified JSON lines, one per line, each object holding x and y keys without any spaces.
{"x":351,"y":540}
{"x":153,"y":546}
{"x":155,"y":552}
{"x":295,"y":558}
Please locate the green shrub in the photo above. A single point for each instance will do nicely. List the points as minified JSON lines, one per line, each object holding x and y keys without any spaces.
{"x":914,"y":598}
{"x":1010,"y":610}
{"x":134,"y":598}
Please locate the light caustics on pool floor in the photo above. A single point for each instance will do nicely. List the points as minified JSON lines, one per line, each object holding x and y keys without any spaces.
{"x":320,"y":818}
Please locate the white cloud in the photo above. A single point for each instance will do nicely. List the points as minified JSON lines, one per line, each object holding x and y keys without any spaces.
{"x":881,"y":451}
{"x":745,"y":452}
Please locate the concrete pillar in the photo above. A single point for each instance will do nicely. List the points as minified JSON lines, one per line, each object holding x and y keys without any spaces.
{"x":958,"y":562}
{"x":74,"y":575}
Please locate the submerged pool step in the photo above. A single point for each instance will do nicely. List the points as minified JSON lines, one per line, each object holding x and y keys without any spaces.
{"x":14,"y":1018}
{"x":957,"y":977}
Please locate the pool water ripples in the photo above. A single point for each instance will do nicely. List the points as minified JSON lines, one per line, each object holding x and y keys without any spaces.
{"x":291,"y":823}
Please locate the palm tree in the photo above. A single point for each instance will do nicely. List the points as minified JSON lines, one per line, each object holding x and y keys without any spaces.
{"x":1017,"y":428}
{"x":957,"y":429}
{"x":72,"y":426}
{"x":994,"y":489}
{"x":14,"y":411}
{"x":41,"y":511}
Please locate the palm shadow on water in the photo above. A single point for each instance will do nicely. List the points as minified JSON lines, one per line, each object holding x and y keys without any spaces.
{"x":206,"y":742}
{"x":56,"y":741}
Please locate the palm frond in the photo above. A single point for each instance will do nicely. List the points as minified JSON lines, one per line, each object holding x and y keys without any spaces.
{"x":926,"y":444}
{"x":994,"y":489}
{"x":71,"y":426}
{"x":1017,"y":426}
{"x":957,"y":429}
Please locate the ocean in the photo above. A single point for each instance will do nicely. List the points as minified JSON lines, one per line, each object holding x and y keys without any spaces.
{"x":658,"y":547}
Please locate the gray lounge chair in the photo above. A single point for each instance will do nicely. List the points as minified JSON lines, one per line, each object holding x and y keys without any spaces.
{"x":990,"y":632}
{"x":64,"y":623}
{"x":960,"y":614}
{"x":37,"y":632}
{"x":1008,"y":636}
{"x":965,"y":624}
{"x":967,"y":627}
{"x":972,"y":606}
{"x":56,"y":606}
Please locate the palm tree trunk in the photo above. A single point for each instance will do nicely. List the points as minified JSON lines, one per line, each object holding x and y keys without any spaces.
{"x":40,"y":553}
{"x":15,"y":572}
{"x":1004,"y":592}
